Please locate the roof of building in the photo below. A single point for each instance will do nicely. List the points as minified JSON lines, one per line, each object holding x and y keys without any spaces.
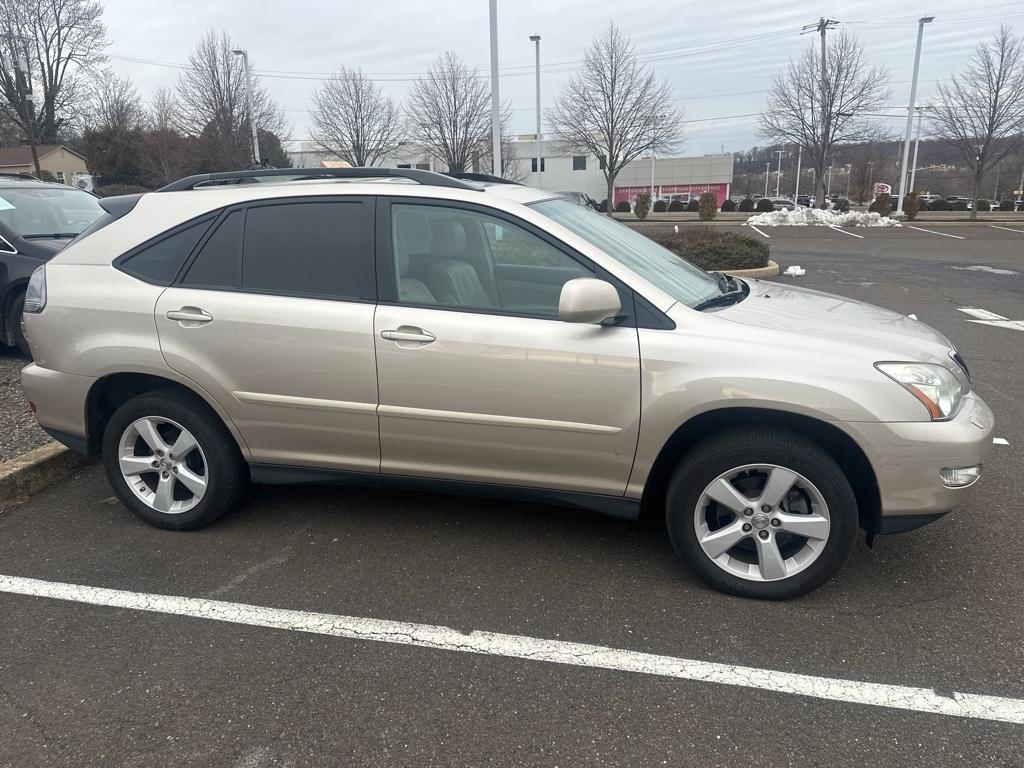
{"x":22,"y":155}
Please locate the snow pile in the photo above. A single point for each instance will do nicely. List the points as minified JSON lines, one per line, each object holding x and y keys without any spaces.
{"x":815,"y":217}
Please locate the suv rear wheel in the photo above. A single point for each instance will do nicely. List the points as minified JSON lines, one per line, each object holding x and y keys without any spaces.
{"x":171,"y":461}
{"x":761,"y":512}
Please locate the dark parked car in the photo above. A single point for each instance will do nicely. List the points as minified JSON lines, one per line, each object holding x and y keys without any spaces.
{"x":580,"y":198}
{"x":37,"y":219}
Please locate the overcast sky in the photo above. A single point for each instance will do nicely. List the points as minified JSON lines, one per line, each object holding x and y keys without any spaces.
{"x":717,"y":56}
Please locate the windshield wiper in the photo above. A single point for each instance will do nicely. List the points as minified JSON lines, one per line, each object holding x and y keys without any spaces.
{"x":49,"y":235}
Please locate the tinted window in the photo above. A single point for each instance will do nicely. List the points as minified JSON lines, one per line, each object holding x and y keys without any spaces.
{"x":312,"y":248}
{"x":219,"y":262}
{"x":160,"y":262}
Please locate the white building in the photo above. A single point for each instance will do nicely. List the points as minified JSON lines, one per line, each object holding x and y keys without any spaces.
{"x":673,"y":177}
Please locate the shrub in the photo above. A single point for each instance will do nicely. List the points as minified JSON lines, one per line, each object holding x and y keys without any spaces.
{"x":622,"y":206}
{"x":983,"y":206}
{"x":938,"y":205}
{"x":882,"y":204}
{"x":112,"y":190}
{"x":603,"y":206}
{"x":711,"y":250}
{"x":728,"y":206}
{"x":746,"y":205}
{"x":1006,"y":204}
{"x":842,"y":205}
{"x":911,"y":205}
{"x":676,"y":207}
{"x":642,"y":205}
{"x":958,"y":205}
{"x":707,"y":207}
{"x":764,"y":205}
{"x":660,"y":206}
{"x":45,"y":175}
{"x":693,"y":206}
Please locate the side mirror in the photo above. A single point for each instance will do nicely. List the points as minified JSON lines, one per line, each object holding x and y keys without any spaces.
{"x":588,"y":300}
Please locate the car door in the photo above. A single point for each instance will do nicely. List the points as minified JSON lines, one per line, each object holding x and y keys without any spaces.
{"x":478,"y":379}
{"x":273,"y":316}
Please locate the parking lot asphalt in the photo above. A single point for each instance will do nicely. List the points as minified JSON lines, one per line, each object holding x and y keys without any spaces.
{"x":939,"y":608}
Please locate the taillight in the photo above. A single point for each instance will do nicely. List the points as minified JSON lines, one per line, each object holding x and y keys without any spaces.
{"x":35,"y":294}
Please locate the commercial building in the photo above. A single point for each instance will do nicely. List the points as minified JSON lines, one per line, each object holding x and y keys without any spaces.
{"x":674,"y":178}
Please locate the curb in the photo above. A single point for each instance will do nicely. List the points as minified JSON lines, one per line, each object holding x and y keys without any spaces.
{"x":770,"y":271}
{"x":33,"y":470}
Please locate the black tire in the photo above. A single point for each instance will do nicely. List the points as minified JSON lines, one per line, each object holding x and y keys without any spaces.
{"x":226,"y":471}
{"x":14,"y":324}
{"x":760,"y":445}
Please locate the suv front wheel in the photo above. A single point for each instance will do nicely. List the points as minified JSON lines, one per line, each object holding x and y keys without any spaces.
{"x":761,"y":512}
{"x":171,"y":460}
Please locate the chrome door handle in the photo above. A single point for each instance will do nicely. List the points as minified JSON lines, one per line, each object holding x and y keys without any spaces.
{"x":189,"y":316}
{"x":409,"y":333}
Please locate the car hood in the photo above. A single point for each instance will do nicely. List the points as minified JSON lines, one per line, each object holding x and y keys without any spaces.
{"x":824,"y":315}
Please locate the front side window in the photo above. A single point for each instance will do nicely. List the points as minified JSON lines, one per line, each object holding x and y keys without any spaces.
{"x":463,"y":259}
{"x":656,"y":264}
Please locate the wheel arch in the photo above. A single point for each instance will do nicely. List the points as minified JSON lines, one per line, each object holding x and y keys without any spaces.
{"x":14,"y":289}
{"x":840,"y":445}
{"x":112,"y":390}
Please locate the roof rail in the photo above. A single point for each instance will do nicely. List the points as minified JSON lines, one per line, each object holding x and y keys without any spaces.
{"x":482,"y":178}
{"x":202,"y":180}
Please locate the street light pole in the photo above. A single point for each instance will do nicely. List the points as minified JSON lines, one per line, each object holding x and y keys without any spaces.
{"x":248,"y":103}
{"x":910,"y":113}
{"x":778,"y":173}
{"x":767,"y":173}
{"x":917,"y":146}
{"x":495,"y":103}
{"x":796,"y":190}
{"x":540,"y":153}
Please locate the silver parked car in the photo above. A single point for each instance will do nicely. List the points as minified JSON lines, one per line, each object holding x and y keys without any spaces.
{"x":398,"y":327}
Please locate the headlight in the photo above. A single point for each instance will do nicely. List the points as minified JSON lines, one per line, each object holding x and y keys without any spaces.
{"x":35,"y":294}
{"x":937,"y":387}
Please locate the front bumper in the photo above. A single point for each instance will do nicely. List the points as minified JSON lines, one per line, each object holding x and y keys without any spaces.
{"x":60,"y":400}
{"x":908,"y":456}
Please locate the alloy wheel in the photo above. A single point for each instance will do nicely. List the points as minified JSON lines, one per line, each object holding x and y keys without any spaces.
{"x":762,"y":522}
{"x":163,"y":465}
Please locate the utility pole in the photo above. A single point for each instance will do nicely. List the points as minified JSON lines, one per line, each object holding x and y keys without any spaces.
{"x":910,"y":113}
{"x":995,"y":193}
{"x":796,"y":190}
{"x":767,"y":173}
{"x":778,"y":173}
{"x":540,"y":152}
{"x":495,"y":102}
{"x":821,"y":28}
{"x":248,"y":104}
{"x":23,"y":84}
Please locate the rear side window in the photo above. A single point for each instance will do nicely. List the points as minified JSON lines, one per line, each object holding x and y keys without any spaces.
{"x":219,"y":262}
{"x":321,"y":248}
{"x":161,"y":261}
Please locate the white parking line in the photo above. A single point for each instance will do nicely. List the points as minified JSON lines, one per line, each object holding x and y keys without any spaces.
{"x":851,"y":234}
{"x":933,"y":232}
{"x":903,"y":697}
{"x":1008,"y":229}
{"x":984,"y":317}
{"x":759,"y":231}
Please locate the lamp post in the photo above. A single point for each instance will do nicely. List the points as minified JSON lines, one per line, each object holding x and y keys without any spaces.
{"x":910,"y":113}
{"x":778,"y":173}
{"x":495,"y":103}
{"x":248,"y":103}
{"x":540,"y":154}
{"x":796,"y":190}
{"x":917,"y":146}
{"x":767,"y":172}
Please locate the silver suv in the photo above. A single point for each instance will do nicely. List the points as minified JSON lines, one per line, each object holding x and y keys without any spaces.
{"x":398,"y":327}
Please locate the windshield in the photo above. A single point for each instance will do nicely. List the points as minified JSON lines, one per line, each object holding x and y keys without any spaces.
{"x":48,"y":211}
{"x":659,"y":266}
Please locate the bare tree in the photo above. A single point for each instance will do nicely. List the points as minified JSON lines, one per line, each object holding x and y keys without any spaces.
{"x":211,"y":104}
{"x":449,"y":112}
{"x":63,"y":41}
{"x":163,"y":107}
{"x":354,"y":119}
{"x":816,"y":112}
{"x":981,"y":111}
{"x":615,"y":108}
{"x":115,"y":104}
